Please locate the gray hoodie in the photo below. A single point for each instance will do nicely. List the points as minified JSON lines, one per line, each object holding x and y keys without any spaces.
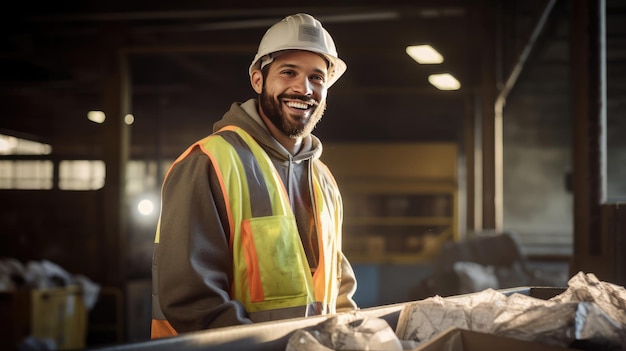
{"x":192,"y":266}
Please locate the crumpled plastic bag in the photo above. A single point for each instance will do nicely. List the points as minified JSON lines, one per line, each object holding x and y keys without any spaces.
{"x":12,"y":274}
{"x":44,"y":275}
{"x":348,"y":331}
{"x":589,"y":312}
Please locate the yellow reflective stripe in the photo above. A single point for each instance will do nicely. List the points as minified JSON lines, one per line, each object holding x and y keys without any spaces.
{"x":228,"y":167}
{"x":157,"y":236}
{"x":222,"y":153}
{"x":326,"y":289}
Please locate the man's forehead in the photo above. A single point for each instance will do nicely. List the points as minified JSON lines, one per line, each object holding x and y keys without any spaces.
{"x":296,"y":57}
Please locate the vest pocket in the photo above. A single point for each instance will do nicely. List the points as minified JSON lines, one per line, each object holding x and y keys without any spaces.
{"x":276,"y":262}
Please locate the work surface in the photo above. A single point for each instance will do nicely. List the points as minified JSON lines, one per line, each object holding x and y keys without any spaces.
{"x":273,"y":336}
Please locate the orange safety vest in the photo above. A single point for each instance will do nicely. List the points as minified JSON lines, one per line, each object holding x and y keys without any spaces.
{"x":271,"y":271}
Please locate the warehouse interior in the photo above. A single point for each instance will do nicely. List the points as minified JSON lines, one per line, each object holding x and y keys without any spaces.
{"x":531,"y":145}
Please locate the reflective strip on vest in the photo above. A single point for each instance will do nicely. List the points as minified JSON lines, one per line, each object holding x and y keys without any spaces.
{"x":328,"y":206}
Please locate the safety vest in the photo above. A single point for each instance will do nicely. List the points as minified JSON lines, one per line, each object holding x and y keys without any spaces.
{"x":271,"y":271}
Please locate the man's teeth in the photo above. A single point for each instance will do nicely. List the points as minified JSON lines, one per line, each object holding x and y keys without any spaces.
{"x":298,"y":105}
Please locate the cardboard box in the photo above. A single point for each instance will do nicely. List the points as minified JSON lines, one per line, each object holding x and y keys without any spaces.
{"x":455,"y":339}
{"x":61,"y":315}
{"x":58,"y":314}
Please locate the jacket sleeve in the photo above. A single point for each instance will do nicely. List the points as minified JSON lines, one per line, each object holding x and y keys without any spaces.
{"x":192,"y":258}
{"x":347,"y":288}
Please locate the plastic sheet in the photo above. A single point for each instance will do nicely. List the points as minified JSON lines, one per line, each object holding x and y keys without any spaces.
{"x":589,"y":312}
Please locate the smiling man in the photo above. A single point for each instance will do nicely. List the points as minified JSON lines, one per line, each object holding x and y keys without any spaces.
{"x":251,"y":219}
{"x":298,"y":79}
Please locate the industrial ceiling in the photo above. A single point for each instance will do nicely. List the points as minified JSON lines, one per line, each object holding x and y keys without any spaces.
{"x":188,"y":62}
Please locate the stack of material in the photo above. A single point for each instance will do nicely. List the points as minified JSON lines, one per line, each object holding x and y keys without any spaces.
{"x":589,"y":315}
{"x":47,"y":306}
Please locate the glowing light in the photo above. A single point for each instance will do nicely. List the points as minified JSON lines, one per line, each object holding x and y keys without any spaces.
{"x":129,"y":119}
{"x":444,"y":81}
{"x":96,"y":116}
{"x":145,"y":207}
{"x":424,"y":54}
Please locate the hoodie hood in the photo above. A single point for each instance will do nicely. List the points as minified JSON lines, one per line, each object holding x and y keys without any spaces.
{"x":246,"y":116}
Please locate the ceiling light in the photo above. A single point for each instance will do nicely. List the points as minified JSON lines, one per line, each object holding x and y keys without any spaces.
{"x":444,"y":81}
{"x":129,"y":119}
{"x":424,"y":54}
{"x":96,"y":116}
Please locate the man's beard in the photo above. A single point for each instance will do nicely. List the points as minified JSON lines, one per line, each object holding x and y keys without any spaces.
{"x":274,"y":112}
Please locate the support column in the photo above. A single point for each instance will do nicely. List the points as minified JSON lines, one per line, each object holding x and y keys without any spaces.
{"x":487,"y":33}
{"x":614,"y":234}
{"x":588,"y":82}
{"x":116,"y":142}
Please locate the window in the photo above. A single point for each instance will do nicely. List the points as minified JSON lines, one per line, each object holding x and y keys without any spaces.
{"x":81,"y":175}
{"x":26,"y":174}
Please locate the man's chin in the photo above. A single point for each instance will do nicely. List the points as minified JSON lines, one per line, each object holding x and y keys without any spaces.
{"x":296,"y":130}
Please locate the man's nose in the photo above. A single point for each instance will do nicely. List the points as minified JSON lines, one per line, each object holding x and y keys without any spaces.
{"x":303,"y":86}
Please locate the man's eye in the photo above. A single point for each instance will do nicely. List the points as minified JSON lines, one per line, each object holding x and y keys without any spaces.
{"x":318,"y":78}
{"x":288,"y":72}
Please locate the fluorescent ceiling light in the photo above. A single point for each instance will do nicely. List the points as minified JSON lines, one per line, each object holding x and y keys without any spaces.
{"x":444,"y":81}
{"x":424,"y":54}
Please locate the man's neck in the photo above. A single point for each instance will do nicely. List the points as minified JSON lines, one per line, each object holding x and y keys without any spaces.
{"x":292,"y":145}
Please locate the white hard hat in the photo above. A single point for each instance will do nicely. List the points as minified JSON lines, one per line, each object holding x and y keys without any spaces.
{"x":299,"y":32}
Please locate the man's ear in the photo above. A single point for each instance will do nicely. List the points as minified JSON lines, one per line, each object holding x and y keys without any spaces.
{"x":256,"y":79}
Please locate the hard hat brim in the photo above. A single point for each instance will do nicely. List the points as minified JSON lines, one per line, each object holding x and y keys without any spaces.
{"x":337,"y":66}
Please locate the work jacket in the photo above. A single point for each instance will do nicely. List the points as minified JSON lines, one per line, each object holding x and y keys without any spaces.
{"x":271,"y":274}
